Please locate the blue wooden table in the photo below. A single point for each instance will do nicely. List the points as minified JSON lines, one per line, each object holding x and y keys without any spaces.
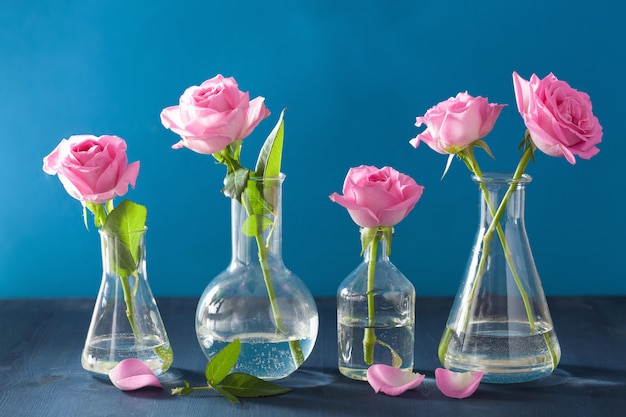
{"x":41,"y":375}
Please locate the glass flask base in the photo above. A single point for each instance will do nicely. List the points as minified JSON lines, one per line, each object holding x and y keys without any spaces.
{"x":351,"y":356}
{"x":265,"y":355}
{"x":505,"y":354}
{"x":103,"y":354}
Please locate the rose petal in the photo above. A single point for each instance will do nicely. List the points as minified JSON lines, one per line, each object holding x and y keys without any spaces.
{"x":132,"y":374}
{"x":457,"y":384}
{"x":392,"y":381}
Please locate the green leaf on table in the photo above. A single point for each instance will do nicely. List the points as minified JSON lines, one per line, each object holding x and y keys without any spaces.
{"x":248,"y":386}
{"x":124,"y":222}
{"x":235,"y":385}
{"x":222,"y":363}
{"x":224,"y":393}
{"x":269,"y":160}
{"x":186,"y":390}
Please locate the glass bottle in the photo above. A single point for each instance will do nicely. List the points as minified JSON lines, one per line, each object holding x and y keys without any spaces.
{"x":500,"y":322}
{"x":126,"y":322}
{"x":269,"y":309}
{"x":375,"y":318}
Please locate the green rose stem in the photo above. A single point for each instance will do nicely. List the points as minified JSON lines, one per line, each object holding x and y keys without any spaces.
{"x":128,"y":299}
{"x":229,"y":157}
{"x":369,"y":337}
{"x":488,"y":236}
{"x":263,"y":251}
{"x":294,"y":345}
{"x":125,"y":219}
{"x":370,"y":238}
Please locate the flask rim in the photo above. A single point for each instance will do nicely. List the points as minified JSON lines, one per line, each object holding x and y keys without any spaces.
{"x":500,"y":178}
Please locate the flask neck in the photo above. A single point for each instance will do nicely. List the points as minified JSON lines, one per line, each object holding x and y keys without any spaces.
{"x":378,"y":248}
{"x":496,"y":188}
{"x":123,"y":254}
{"x":256,"y":222}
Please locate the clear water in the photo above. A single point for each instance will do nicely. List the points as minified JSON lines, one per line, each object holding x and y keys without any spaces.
{"x":398,"y":335}
{"x":103,"y":354}
{"x":264,"y":355}
{"x":507,"y":353}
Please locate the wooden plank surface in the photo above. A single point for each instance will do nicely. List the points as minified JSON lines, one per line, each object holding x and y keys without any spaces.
{"x":40,"y":371}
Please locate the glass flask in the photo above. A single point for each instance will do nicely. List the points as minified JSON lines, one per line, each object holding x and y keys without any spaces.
{"x":256,"y":298}
{"x":126,"y":322}
{"x":375,"y":314}
{"x":500,"y":322}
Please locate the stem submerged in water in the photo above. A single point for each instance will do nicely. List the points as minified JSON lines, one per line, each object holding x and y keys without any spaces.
{"x":294,"y":345}
{"x":369,"y":337}
{"x":263,"y":248}
{"x":495,"y":226}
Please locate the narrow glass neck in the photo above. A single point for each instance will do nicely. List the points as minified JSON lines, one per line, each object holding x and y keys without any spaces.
{"x":122,"y":253}
{"x":257,"y":220}
{"x":493,"y":189}
{"x":378,"y":249}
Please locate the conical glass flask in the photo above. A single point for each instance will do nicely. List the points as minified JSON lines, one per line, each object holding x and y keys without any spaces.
{"x":126,"y":322}
{"x":500,"y":322}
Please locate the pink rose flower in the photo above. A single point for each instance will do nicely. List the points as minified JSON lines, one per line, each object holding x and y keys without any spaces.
{"x":93,"y":169}
{"x":456,"y":123}
{"x":378,"y":197}
{"x":559,"y":118}
{"x":211,"y":116}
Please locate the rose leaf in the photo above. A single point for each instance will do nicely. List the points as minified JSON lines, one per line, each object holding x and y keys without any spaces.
{"x":222,"y":363}
{"x":248,"y":386}
{"x":269,"y":160}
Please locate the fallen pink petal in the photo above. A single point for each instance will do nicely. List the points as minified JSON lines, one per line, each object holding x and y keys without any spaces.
{"x":457,"y":384}
{"x":133,"y":374}
{"x":392,"y":381}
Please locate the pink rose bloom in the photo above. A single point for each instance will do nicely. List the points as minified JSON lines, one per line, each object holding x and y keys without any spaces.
{"x":91,"y":168}
{"x":378,"y":197}
{"x":559,"y":118}
{"x":212,"y":116}
{"x":456,"y":123}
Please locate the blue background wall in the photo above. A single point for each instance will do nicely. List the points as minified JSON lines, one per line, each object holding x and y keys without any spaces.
{"x":354,"y":75}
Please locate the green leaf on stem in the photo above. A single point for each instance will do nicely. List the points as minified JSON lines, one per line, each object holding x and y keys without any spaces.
{"x":232,"y":386}
{"x":269,"y":160}
{"x":255,"y":224}
{"x":222,"y":363}
{"x":257,"y":202}
{"x":124,"y":222}
{"x":248,"y":386}
{"x":226,"y":394}
{"x":186,"y":390}
{"x":235,"y":183}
